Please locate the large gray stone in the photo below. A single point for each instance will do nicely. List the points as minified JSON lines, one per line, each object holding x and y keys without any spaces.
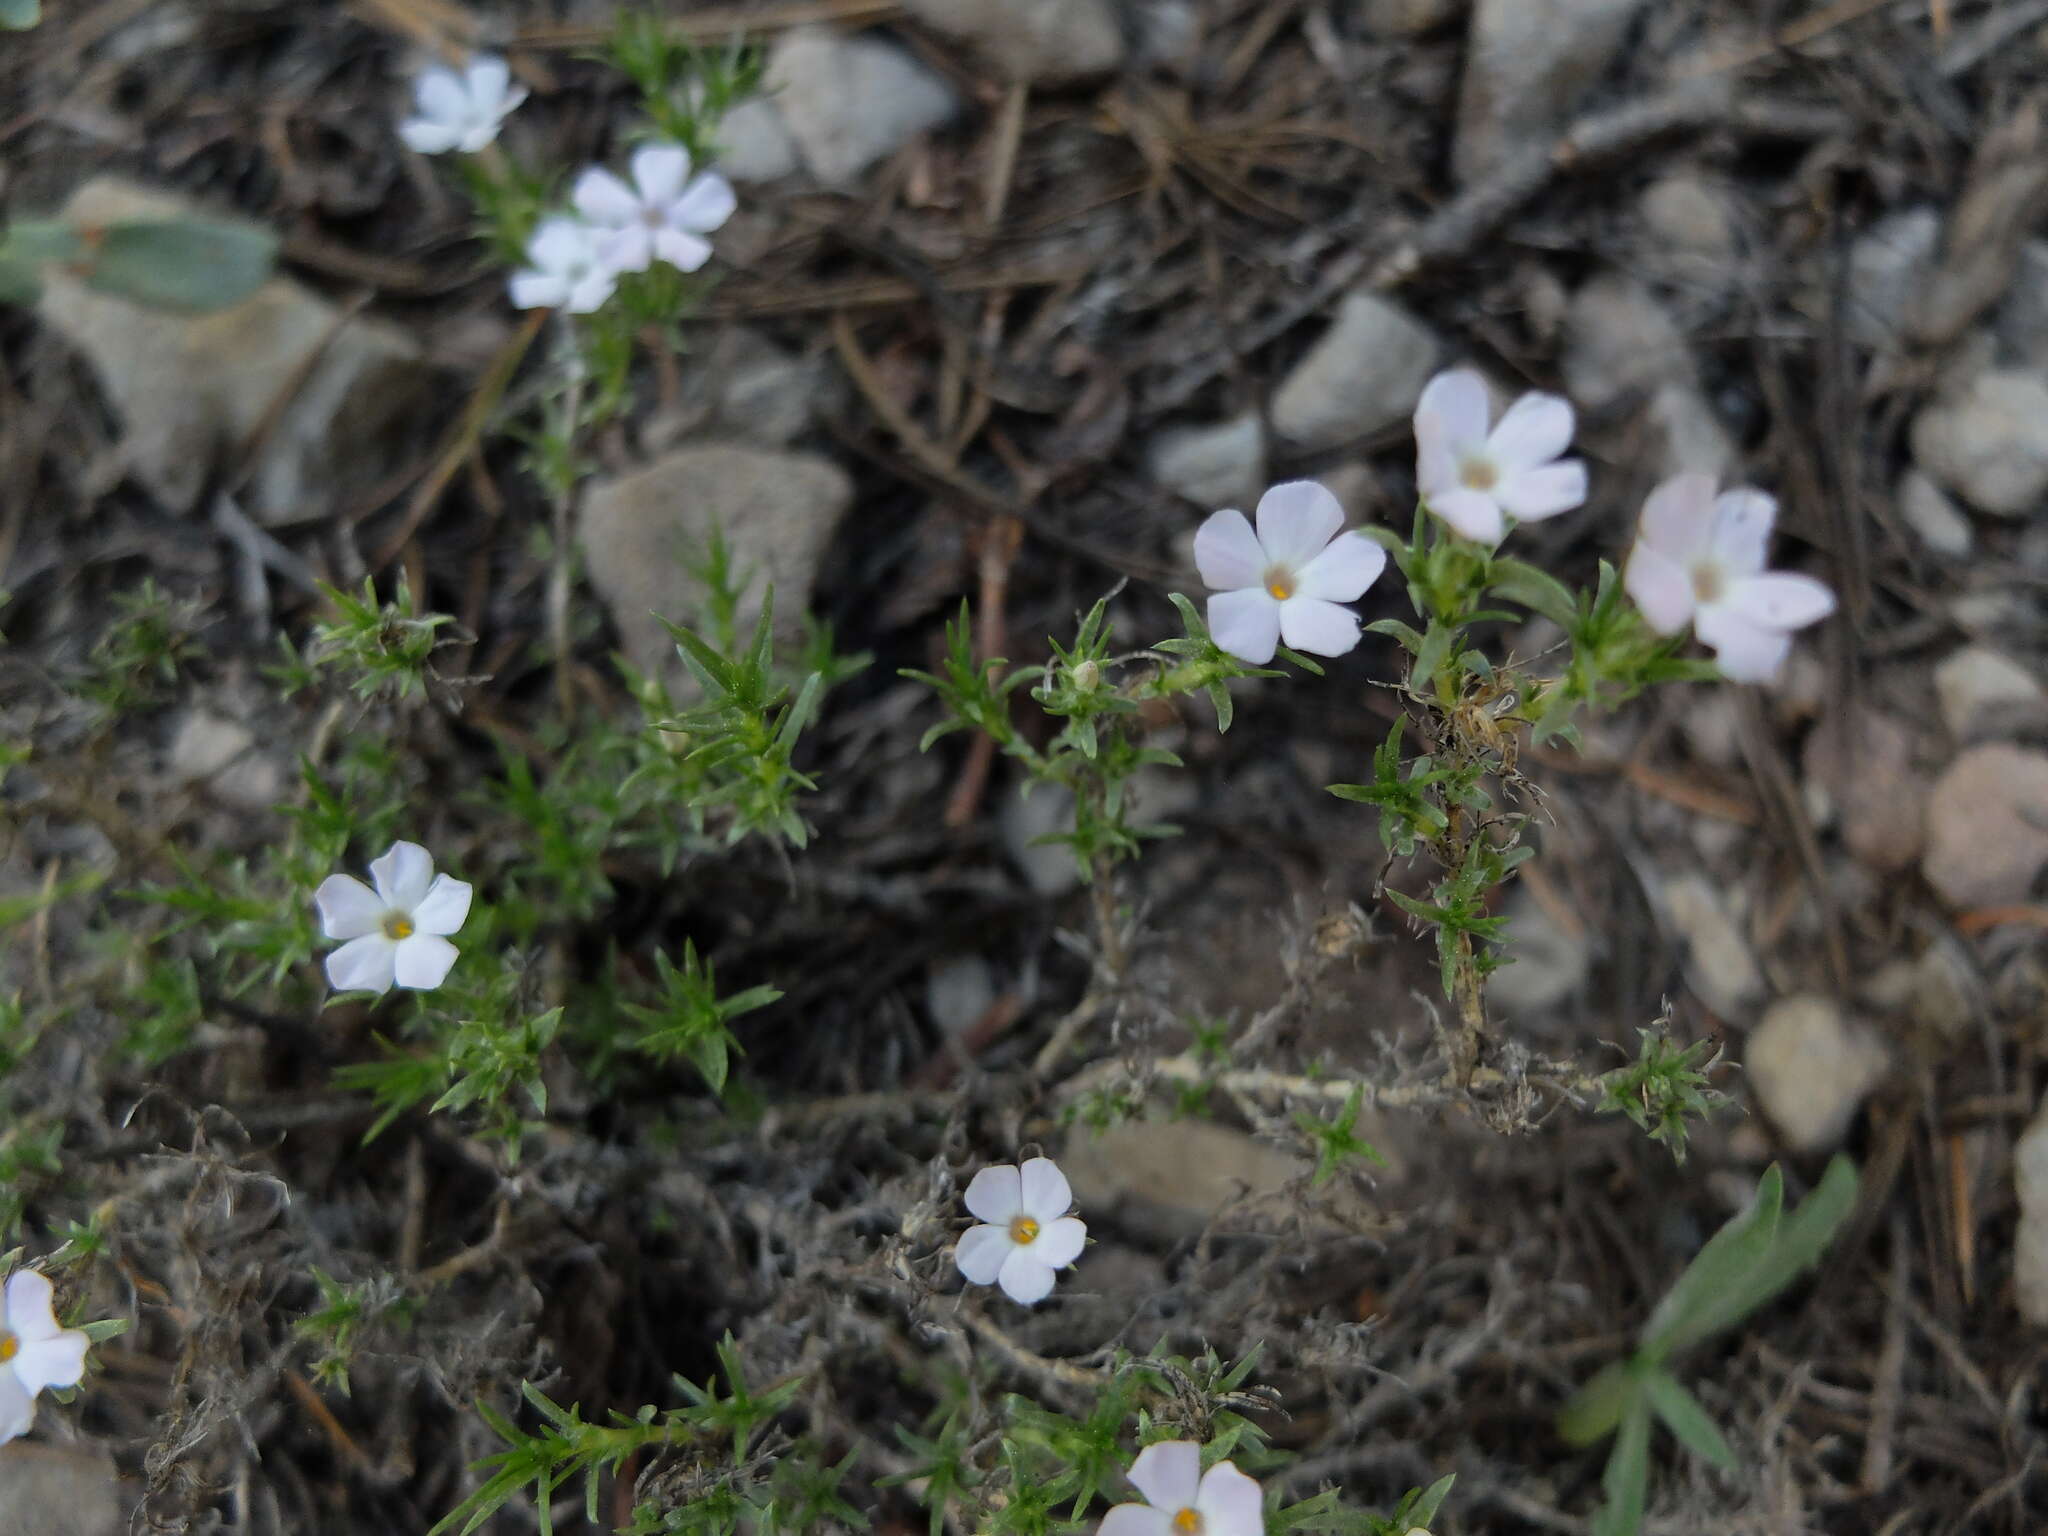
{"x":642,"y":533}
{"x":1365,"y":373}
{"x":1620,"y":343}
{"x":1223,"y":465}
{"x":192,"y":388}
{"x":1529,"y":67}
{"x":1810,"y":1068}
{"x":1719,"y":965}
{"x":1047,"y":41}
{"x":850,"y":101}
{"x":1988,"y":441}
{"x":1987,"y":827}
{"x":59,"y":1490}
{"x":1171,"y":1177}
{"x":1986,"y":694}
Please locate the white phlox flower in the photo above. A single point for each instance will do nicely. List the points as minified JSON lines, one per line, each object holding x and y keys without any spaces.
{"x":662,"y":215}
{"x":1284,"y":582}
{"x":34,"y":1352}
{"x":461,"y":110}
{"x":1699,"y":558}
{"x":1183,"y":1500}
{"x":568,"y":269}
{"x":397,"y":932}
{"x":1027,"y":1233}
{"x":1476,"y":474}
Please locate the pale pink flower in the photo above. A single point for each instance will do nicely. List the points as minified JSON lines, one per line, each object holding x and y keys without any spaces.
{"x":663,"y":214}
{"x":1183,"y":1500}
{"x":1699,"y":558}
{"x":397,"y":932}
{"x":1285,"y":581}
{"x":567,"y":269}
{"x":461,"y":110}
{"x":1027,"y":1233}
{"x":1475,"y":474}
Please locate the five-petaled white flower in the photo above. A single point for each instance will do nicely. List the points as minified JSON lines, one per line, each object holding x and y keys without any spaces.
{"x":663,"y":215}
{"x":569,"y":270}
{"x":398,"y":932}
{"x":461,"y":111}
{"x":1028,"y":1233}
{"x":1183,"y":1500}
{"x":34,"y":1352}
{"x":1474,"y":478}
{"x":1285,"y":581}
{"x":1700,"y":557}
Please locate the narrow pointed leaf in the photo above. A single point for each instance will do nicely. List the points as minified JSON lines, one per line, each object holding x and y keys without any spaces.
{"x":1685,"y":1418}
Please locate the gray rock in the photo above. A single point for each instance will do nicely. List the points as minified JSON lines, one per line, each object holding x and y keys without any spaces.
{"x":221,"y":754}
{"x":1619,"y":343}
{"x":642,"y":533}
{"x":1686,"y":212}
{"x":1810,"y":1068}
{"x":1863,"y":764}
{"x":1889,"y":265}
{"x":1987,"y":827}
{"x":1047,"y":41}
{"x":1171,"y":1177}
{"x":1365,"y":373}
{"x":958,"y":992}
{"x":1935,"y":520}
{"x":1046,"y":811}
{"x":1214,"y":466}
{"x":59,"y":1490}
{"x":1549,"y":963}
{"x":2030,"y":1240}
{"x":1985,"y":694}
{"x":190,"y":389}
{"x":1719,"y":965}
{"x":1529,"y":66}
{"x":1988,"y":441}
{"x":1409,"y":18}
{"x":754,"y":143}
{"x":850,"y":101}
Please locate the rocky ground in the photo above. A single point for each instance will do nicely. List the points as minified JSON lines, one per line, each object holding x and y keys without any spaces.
{"x":1018,"y":291}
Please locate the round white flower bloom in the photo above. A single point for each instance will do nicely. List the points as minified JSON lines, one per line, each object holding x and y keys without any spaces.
{"x":461,"y":111}
{"x":1475,"y":478}
{"x":1285,"y":581}
{"x":396,"y":933}
{"x":1699,"y":558}
{"x":34,"y":1352}
{"x":1027,"y":1233}
{"x":1183,"y":1500}
{"x":663,"y":215}
{"x":569,"y":270}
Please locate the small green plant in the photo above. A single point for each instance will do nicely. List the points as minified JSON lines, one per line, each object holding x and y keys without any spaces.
{"x":1749,"y":1261}
{"x":1666,"y":1087}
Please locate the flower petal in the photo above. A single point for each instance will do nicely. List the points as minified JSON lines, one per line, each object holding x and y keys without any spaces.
{"x":1535,"y":430}
{"x":17,"y":1407}
{"x":659,"y":171}
{"x":1456,"y":406}
{"x":1060,"y":1242}
{"x":705,"y":205}
{"x":1678,"y":516}
{"x":604,"y":199}
{"x":1230,"y":1503}
{"x":1742,"y":529}
{"x":1024,"y":1279}
{"x":995,"y":1194}
{"x":444,"y":908}
{"x":1136,"y":1520}
{"x":488,"y":79}
{"x":981,"y":1251}
{"x":1529,"y":494}
{"x":592,"y":291}
{"x":561,"y":244}
{"x":1342,"y":572}
{"x":30,"y":1315}
{"x":1780,"y":600}
{"x":362,"y":965}
{"x":402,"y":875}
{"x":53,"y":1362}
{"x":1473,"y":513}
{"x":628,"y":249}
{"x":348,"y":908}
{"x":442,"y":96}
{"x":1228,"y":553}
{"x":1661,"y":587}
{"x":1047,"y":1195}
{"x":1169,"y":1474}
{"x":1246,"y":623}
{"x":1318,"y":627}
{"x":429,"y":135}
{"x":1296,"y":520}
{"x":422,"y":962}
{"x":538,"y":290}
{"x":1745,"y":652}
{"x":681,"y":249}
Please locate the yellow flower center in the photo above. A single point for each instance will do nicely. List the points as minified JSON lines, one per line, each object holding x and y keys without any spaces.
{"x":1280,"y":583}
{"x":10,"y":1346}
{"x":1708,"y":584}
{"x":397,"y":926}
{"x":1189,"y":1522}
{"x":1023,"y":1230}
{"x":1477,"y":474}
